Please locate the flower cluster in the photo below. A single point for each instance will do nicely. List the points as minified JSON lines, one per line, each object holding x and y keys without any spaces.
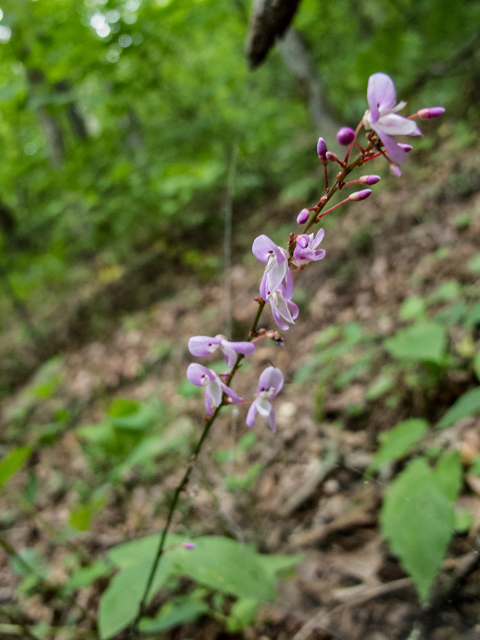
{"x":381,"y":121}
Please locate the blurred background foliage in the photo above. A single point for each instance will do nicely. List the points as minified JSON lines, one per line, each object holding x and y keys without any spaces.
{"x":119,"y":119}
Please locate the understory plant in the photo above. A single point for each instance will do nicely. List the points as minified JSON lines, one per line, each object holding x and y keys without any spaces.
{"x":214,"y":563}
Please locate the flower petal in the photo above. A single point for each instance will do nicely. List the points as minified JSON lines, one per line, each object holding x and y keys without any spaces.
{"x":263,"y":247}
{"x":202,"y":345}
{"x":318,"y":238}
{"x":214,"y":389}
{"x":394,"y":151}
{"x":230,"y":392}
{"x":270,"y":377}
{"x":396,"y":125}
{"x":380,"y":95}
{"x":276,"y":274}
{"x":229,"y":352}
{"x":251,"y":414}
{"x":264,"y":408}
{"x":271,"y":421}
{"x":196,"y":374}
{"x":247,"y":348}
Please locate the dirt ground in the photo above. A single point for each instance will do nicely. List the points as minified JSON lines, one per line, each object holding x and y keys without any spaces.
{"x":312,"y":495}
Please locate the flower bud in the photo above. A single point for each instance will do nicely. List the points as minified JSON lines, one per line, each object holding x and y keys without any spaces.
{"x":323,"y":200}
{"x":189,"y":545}
{"x":369,"y":180}
{"x":430,"y":112}
{"x":302,"y":241}
{"x":321,"y":148}
{"x":345,"y":136}
{"x":360,"y":195}
{"x":331,"y":156}
{"x":405,"y":147}
{"x":303,"y":216}
{"x":395,"y":169}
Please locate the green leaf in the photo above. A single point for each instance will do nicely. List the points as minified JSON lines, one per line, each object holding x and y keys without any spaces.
{"x":466,"y":405}
{"x":413,"y":308}
{"x":171,"y":615}
{"x":144,"y":549}
{"x":13,"y":461}
{"x":274,"y":563}
{"x":448,"y":474}
{"x":476,"y":365}
{"x":475,"y":466}
{"x":423,"y":342}
{"x":242,"y":615}
{"x":399,"y":441}
{"x":383,"y":383}
{"x":417,"y":519}
{"x":119,"y":603}
{"x":86,"y":576}
{"x":227,"y":566}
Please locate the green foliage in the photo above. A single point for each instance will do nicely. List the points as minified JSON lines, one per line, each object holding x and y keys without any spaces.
{"x":417,"y":517}
{"x":466,"y":405}
{"x":12,"y":462}
{"x":422,"y":342}
{"x":399,"y":441}
{"x":217,"y":563}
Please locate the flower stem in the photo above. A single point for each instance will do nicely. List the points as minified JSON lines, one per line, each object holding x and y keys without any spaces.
{"x":133,"y":633}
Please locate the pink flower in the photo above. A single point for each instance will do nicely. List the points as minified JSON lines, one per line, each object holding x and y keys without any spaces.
{"x":382,"y":116}
{"x":203,"y":346}
{"x":276,"y":258}
{"x":283,"y":309}
{"x":269,"y":385}
{"x":306,"y":248}
{"x":215,"y":388}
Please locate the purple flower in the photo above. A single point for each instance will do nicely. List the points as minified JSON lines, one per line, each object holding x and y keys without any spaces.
{"x":430,"y":112}
{"x":345,"y":136}
{"x":276,"y":258}
{"x":303,"y":216}
{"x":189,"y":545}
{"x":203,"y":346}
{"x":269,"y":385}
{"x":203,"y":377}
{"x":382,"y":116}
{"x":280,"y":299}
{"x":360,"y":195}
{"x":321,"y":148}
{"x":306,"y":248}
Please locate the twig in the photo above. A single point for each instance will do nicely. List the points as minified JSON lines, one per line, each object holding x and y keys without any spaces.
{"x":322,"y":619}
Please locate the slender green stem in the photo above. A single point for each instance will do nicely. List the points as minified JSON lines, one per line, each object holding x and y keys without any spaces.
{"x":184,"y":481}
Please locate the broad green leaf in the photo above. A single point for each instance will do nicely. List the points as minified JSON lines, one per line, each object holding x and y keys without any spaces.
{"x":144,"y":549}
{"x":466,"y":405}
{"x":13,"y":461}
{"x":86,"y":576}
{"x":273,"y":563}
{"x":399,"y":441}
{"x":171,"y":615}
{"x":417,"y":519}
{"x":413,"y":308}
{"x":448,"y":474}
{"x":423,"y":342}
{"x":242,"y":614}
{"x":119,"y":603}
{"x":227,"y":566}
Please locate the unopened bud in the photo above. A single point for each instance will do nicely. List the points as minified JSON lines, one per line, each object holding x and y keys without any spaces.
{"x":303,"y":216}
{"x":395,"y":169}
{"x":302,"y":241}
{"x":430,"y":112}
{"x":323,"y":200}
{"x":360,"y":195}
{"x":331,"y":156}
{"x":189,"y":545}
{"x":369,"y":180}
{"x":321,"y":148}
{"x":345,"y":136}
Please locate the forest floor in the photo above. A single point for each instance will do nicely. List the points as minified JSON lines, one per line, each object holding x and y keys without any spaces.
{"x":303,"y":489}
